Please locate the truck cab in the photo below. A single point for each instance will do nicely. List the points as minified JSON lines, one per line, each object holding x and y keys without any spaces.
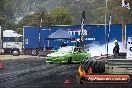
{"x":11,"y":42}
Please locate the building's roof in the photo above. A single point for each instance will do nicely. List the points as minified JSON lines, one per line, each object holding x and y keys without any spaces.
{"x":60,"y":34}
{"x":10,"y":33}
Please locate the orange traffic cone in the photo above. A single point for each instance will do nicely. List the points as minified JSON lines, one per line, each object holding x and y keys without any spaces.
{"x":67,"y":81}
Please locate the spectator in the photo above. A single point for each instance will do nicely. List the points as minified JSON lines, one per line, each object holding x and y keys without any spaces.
{"x":116,"y":48}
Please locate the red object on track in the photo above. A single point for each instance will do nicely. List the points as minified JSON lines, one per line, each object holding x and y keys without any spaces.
{"x":90,"y":70}
{"x":67,"y":81}
{"x":1,"y":65}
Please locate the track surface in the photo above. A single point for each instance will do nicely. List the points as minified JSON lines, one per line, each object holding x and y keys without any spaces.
{"x":35,"y":73}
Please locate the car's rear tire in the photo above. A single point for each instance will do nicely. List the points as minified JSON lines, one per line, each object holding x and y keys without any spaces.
{"x":96,"y":66}
{"x":69,"y":60}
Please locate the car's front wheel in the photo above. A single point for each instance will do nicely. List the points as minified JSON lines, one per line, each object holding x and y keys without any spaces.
{"x":69,"y":60}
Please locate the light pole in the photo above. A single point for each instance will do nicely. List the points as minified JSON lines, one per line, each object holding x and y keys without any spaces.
{"x":106,"y":25}
{"x":0,"y":37}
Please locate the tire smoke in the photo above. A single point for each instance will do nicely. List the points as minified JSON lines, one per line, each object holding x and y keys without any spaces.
{"x":97,"y":50}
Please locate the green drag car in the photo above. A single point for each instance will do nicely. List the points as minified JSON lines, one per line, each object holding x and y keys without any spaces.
{"x":68,"y":54}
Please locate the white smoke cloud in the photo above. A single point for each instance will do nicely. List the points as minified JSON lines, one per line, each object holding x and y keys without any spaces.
{"x":97,"y":50}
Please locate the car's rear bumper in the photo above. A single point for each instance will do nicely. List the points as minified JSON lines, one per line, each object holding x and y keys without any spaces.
{"x":76,"y":61}
{"x":56,"y":61}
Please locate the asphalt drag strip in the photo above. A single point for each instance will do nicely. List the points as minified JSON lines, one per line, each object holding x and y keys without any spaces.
{"x":21,"y":77}
{"x":36,"y":73}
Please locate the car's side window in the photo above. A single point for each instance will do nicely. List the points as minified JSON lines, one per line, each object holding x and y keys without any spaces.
{"x":74,"y":49}
{"x":78,"y":50}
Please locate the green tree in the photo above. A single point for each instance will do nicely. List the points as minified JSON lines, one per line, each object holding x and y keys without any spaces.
{"x":120,"y":13}
{"x":1,"y":6}
{"x":61,"y":16}
{"x":95,"y":9}
{"x":57,"y":16}
{"x":117,"y":12}
{"x":6,"y":23}
{"x":5,"y":15}
{"x":35,"y":20}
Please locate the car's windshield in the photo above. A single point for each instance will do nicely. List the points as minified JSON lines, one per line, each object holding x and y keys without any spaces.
{"x":79,"y":50}
{"x":65,"y":49}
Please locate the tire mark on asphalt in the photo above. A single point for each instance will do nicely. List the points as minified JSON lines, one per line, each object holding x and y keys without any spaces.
{"x":19,"y":80}
{"x":68,"y":71}
{"x":41,"y":67}
{"x":16,"y":74}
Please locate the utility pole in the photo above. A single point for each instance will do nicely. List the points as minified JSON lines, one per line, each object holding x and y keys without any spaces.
{"x":108,"y":35}
{"x":0,"y":37}
{"x":105,"y":21}
{"x":106,"y":25}
{"x":123,"y":31}
{"x":40,"y":25}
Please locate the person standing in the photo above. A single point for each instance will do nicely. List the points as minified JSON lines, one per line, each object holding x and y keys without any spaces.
{"x":116,"y":49}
